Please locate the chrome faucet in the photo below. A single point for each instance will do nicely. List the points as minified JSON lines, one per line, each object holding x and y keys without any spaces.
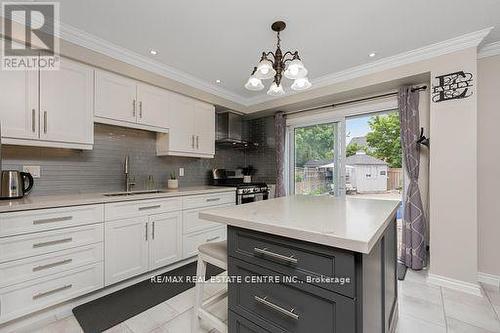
{"x":129,"y":181}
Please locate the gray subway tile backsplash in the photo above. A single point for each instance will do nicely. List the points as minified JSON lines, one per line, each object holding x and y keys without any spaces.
{"x":101,"y":169}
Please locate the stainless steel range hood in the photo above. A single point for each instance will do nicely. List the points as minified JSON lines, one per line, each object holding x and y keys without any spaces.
{"x":229,"y":131}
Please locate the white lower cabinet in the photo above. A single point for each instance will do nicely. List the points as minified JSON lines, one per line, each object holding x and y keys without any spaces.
{"x":125,"y":248}
{"x":165,"y":246}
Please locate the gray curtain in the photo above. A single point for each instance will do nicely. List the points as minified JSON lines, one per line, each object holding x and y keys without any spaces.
{"x":279,"y":132}
{"x":413,"y":250}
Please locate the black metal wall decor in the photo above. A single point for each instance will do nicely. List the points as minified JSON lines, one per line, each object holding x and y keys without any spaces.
{"x":452,"y":86}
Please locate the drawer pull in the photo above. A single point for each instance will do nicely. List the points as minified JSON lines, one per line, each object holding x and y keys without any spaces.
{"x":150,"y":207}
{"x":52,"y":220}
{"x":289,"y":313}
{"x":55,"y":264}
{"x":265,"y":252}
{"x":213,"y":199}
{"x":212,"y":239}
{"x":54,"y":242}
{"x":53,"y":291}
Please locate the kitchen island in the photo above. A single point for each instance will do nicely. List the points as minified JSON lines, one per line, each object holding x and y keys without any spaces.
{"x":311,"y":264}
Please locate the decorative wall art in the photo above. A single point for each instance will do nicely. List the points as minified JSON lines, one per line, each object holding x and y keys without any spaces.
{"x":452,"y":86}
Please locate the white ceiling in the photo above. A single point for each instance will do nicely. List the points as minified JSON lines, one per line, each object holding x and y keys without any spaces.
{"x":223,"y":39}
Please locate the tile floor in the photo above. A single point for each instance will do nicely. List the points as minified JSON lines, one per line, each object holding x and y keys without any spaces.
{"x":423,"y":308}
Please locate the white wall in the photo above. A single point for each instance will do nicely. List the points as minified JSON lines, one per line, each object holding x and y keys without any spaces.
{"x":489,"y":164}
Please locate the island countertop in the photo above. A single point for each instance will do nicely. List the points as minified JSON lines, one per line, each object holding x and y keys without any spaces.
{"x":347,"y":223}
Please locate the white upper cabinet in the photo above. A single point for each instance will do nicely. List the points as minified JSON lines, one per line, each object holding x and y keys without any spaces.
{"x":152,"y":107}
{"x":48,"y":108}
{"x":192,"y":131}
{"x":115,"y":97}
{"x":19,"y":104}
{"x":66,"y":104}
{"x":129,"y":103}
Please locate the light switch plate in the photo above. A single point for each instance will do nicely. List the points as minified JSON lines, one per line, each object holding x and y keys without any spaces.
{"x":33,"y":169}
{"x":181,"y":172}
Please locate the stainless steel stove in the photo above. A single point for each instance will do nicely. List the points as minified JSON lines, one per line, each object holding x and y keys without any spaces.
{"x":245,"y":192}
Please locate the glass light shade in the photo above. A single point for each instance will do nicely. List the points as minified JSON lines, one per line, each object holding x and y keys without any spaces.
{"x":265,"y":70}
{"x":254,"y":84}
{"x":275,"y":90}
{"x":295,"y":70}
{"x":301,"y":84}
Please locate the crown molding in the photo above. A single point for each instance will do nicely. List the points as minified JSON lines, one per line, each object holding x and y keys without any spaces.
{"x":489,"y":50}
{"x":94,"y":43}
{"x":424,"y":53}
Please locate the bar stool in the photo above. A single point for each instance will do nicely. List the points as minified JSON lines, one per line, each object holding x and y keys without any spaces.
{"x":215,"y":254}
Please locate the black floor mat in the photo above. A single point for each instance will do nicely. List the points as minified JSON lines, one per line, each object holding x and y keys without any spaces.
{"x":110,"y":310}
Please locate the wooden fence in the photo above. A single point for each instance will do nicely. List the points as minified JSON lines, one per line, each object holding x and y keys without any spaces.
{"x":395,"y":179}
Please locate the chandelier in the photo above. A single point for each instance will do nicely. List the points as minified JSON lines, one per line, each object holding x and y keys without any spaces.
{"x":267,"y":69}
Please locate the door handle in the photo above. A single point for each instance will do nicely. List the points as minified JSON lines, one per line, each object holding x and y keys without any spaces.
{"x":133,"y":107}
{"x":54,"y":242}
{"x":53,"y":291}
{"x":45,"y":122}
{"x":52,"y":220}
{"x":55,"y":264}
{"x":146,"y":231}
{"x":153,"y":231}
{"x":192,"y":141}
{"x":197,"y":142}
{"x":212,"y":239}
{"x":140,"y":109}
{"x":150,"y":207}
{"x":33,"y":122}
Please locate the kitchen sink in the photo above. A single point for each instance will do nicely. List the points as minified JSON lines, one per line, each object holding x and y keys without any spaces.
{"x":122,"y":194}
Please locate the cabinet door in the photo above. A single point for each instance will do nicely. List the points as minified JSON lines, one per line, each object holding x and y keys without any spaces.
{"x":115,"y":97}
{"x":125,"y":248}
{"x":66,"y":103}
{"x":181,"y":118}
{"x":165,"y":243}
{"x":205,"y":128}
{"x":152,"y":106}
{"x":19,"y":104}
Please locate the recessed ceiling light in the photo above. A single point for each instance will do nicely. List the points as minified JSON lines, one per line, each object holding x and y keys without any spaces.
{"x":218,"y":81}
{"x":153,"y":52}
{"x":373,"y":54}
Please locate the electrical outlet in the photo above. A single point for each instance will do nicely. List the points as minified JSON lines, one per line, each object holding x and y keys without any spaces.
{"x":33,"y":169}
{"x":181,"y":172}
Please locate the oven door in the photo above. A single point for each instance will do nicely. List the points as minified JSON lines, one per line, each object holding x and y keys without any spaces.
{"x":247,"y":198}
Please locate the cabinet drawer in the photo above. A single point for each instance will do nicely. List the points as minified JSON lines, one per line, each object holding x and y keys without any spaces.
{"x":207,"y":200}
{"x":192,"y":222}
{"x":34,"y":295}
{"x":18,"y":247}
{"x":19,"y":271}
{"x":293,"y":306}
{"x":17,"y":223}
{"x":126,"y":209}
{"x":192,"y":241}
{"x":238,"y":324}
{"x":316,"y":264}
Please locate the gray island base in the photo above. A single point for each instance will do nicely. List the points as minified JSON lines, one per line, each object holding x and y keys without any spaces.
{"x":295,"y":285}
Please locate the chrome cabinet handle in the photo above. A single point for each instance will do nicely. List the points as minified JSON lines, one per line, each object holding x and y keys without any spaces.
{"x":133,"y":107}
{"x":33,"y":122}
{"x":140,"y":109}
{"x":45,"y":122}
{"x":197,"y":142}
{"x":153,"y":231}
{"x":54,"y":242}
{"x":52,"y":220}
{"x":55,"y":264}
{"x":275,"y":255}
{"x":212,"y":239}
{"x":146,"y":231}
{"x":213,"y":199}
{"x":53,"y":291}
{"x":192,"y":141}
{"x":290,"y":313}
{"x":150,"y":207}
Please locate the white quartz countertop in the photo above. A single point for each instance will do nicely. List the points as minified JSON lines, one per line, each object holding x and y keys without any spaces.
{"x":350,"y":223}
{"x":51,"y":201}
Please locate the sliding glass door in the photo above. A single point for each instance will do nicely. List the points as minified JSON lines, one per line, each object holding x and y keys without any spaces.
{"x":315,"y":159}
